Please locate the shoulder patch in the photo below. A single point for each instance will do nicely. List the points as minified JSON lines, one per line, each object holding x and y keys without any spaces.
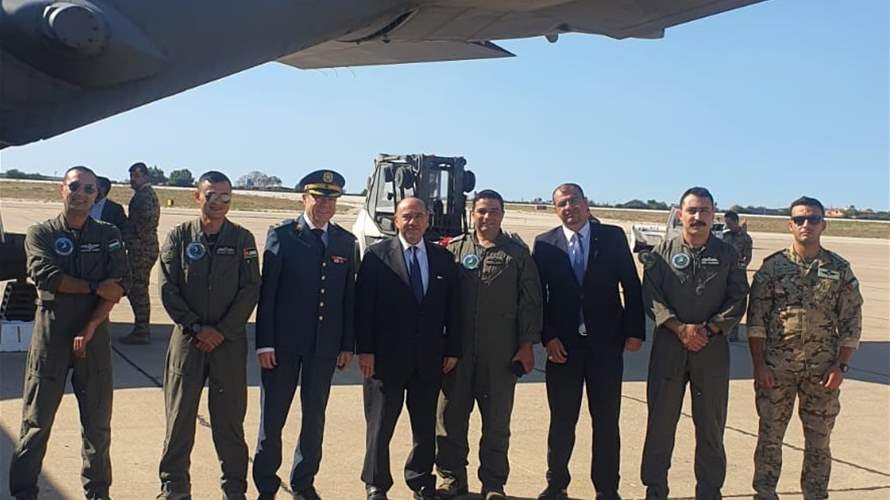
{"x":648,"y":259}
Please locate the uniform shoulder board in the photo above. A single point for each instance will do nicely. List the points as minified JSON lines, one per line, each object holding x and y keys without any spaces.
{"x":517,"y":240}
{"x":282,"y":223}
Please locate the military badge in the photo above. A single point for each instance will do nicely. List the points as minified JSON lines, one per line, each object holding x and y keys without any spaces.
{"x":327,"y":177}
{"x":828,"y":274}
{"x":195,"y":250}
{"x":648,"y":260}
{"x":710,"y":261}
{"x":64,"y":246}
{"x":115,"y":245}
{"x":250,"y":253}
{"x":336,"y":259}
{"x":470,"y":261}
{"x":225,"y":250}
{"x":680,"y":261}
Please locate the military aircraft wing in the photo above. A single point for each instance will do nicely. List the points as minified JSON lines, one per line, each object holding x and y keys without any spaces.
{"x":343,"y":54}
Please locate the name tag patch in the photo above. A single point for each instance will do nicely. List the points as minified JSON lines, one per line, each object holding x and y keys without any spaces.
{"x":828,"y":274}
{"x":225,"y":250}
{"x":89,"y":247}
{"x":710,"y":261}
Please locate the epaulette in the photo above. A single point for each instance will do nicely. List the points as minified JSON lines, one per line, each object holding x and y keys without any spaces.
{"x":774,"y":254}
{"x":285,"y":222}
{"x":517,"y":240}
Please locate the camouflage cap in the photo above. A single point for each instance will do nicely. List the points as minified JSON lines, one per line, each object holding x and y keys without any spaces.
{"x":322,"y":183}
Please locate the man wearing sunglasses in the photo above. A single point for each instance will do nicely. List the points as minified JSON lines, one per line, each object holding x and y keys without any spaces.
{"x":304,"y":329}
{"x":209,"y":284}
{"x":804,"y":323}
{"x":142,"y":250}
{"x":80,"y":269}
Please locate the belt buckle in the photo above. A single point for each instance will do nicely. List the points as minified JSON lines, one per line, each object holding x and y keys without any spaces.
{"x":582,"y":330}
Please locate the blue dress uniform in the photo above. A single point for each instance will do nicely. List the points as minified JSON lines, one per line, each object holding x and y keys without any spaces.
{"x":305,"y":315}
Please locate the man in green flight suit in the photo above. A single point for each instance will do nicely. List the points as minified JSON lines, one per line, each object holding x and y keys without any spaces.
{"x":209,"y":283}
{"x":501,"y":316}
{"x":80,"y":269}
{"x":695,"y":290}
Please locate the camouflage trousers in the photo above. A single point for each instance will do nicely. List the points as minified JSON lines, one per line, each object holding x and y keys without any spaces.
{"x":818,"y":409}
{"x":142,"y":256}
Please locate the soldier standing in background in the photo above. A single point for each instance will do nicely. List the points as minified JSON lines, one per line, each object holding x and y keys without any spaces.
{"x":804,"y":323}
{"x":80,"y":269}
{"x":500,"y":295}
{"x":210,"y":281}
{"x":738,"y":237}
{"x":142,"y":250}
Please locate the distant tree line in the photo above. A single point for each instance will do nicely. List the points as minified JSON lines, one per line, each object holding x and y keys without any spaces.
{"x":14,"y":173}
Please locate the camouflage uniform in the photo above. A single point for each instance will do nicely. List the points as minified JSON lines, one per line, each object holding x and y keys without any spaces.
{"x":142,"y":251}
{"x":744,"y":245}
{"x":805,"y":312}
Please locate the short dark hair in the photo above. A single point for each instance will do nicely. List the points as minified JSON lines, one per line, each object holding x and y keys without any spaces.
{"x":729,"y":214}
{"x":699,"y":192}
{"x":806,"y":201}
{"x":104,"y":184}
{"x":213,"y":177}
{"x":565,"y":186}
{"x":139,"y":166}
{"x":79,"y":168}
{"x":488,"y":194}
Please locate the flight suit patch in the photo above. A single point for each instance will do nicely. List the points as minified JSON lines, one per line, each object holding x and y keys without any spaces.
{"x":250,"y":253}
{"x":64,"y":246}
{"x":710,"y":261}
{"x":680,"y":261}
{"x":225,"y":251}
{"x":195,"y":250}
{"x":470,"y":261}
{"x":828,"y":274}
{"x":115,"y":245}
{"x":90,"y":247}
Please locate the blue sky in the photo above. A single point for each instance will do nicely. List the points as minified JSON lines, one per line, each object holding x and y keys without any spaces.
{"x":761,"y":104}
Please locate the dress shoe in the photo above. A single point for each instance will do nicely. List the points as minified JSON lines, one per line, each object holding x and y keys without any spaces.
{"x":426,"y":494}
{"x":493,"y":494}
{"x":307,"y":494}
{"x":551,"y":493}
{"x":375,"y":493}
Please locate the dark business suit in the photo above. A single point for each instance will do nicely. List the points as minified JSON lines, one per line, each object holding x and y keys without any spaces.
{"x":596,"y":358}
{"x":113,"y":213}
{"x":306,"y":314}
{"x":409,"y":341}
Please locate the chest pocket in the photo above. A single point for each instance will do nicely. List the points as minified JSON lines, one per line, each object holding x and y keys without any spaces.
{"x":91,"y":258}
{"x":493,"y":266}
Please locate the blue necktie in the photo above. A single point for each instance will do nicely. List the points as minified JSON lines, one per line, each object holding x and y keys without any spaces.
{"x":415,"y":277}
{"x":578,"y":259}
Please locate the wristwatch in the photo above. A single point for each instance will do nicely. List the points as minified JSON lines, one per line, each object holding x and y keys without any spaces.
{"x":195,"y":327}
{"x":844,"y":367}
{"x":94,"y":287}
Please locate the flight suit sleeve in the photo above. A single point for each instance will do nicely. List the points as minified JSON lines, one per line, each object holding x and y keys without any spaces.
{"x":118,"y":266}
{"x":171,"y":279}
{"x":42,"y":266}
{"x":452,"y":312}
{"x":736,"y":297}
{"x":530,"y":314}
{"x":760,"y":304}
{"x":366,"y":303}
{"x":633,"y":321}
{"x":232,"y":323}
{"x":265,"y":314}
{"x":747,"y":250}
{"x":849,"y":311}
{"x":654,"y":298}
{"x":347,"y":342}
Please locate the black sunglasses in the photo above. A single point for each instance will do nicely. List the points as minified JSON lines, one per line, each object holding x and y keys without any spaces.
{"x":87,"y":188}
{"x":214,"y":197}
{"x":812,"y":219}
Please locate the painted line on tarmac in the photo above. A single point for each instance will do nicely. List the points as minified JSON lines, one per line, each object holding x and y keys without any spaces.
{"x":202,"y":420}
{"x":787,"y":445}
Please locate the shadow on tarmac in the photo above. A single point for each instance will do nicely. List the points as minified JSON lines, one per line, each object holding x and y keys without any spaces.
{"x":143,"y":365}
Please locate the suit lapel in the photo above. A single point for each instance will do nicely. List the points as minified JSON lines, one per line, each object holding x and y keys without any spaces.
{"x":593,"y":251}
{"x":559,"y":241}
{"x":304,"y":235}
{"x":395,"y":259}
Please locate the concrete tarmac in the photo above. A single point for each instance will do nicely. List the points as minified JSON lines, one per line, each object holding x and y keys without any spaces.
{"x":860,"y":442}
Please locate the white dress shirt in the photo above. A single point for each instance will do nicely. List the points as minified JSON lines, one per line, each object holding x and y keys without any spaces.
{"x":96,"y":209}
{"x":422,"y":259}
{"x":584,"y":235}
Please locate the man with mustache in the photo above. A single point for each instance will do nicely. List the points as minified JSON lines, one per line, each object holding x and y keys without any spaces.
{"x":408,"y":338}
{"x":695,"y":290}
{"x":804,"y":323}
{"x":80,"y":269}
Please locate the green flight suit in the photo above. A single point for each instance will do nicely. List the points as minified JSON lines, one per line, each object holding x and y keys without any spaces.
{"x":212,"y":281}
{"x":93,"y":253}
{"x":693,"y":286}
{"x":500,"y":304}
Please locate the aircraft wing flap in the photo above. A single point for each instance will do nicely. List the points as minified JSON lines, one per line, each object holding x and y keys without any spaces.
{"x":344,"y":54}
